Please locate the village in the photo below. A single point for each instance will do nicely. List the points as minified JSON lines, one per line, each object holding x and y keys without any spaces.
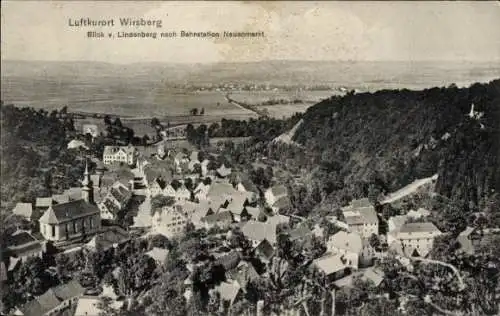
{"x":162,"y":192}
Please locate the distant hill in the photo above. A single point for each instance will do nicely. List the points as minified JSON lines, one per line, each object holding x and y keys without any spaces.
{"x":392,"y":137}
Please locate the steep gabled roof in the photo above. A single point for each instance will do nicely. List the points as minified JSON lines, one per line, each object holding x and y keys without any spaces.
{"x":67,"y":211}
{"x":330,"y":263}
{"x":223,"y":171}
{"x":219,"y":189}
{"x":158,"y":254}
{"x":351,"y":242}
{"x":43,"y":202}
{"x":427,"y":227}
{"x":259,"y":231}
{"x":69,"y":290}
{"x":218,"y":217}
{"x":229,"y":261}
{"x":228,"y":291}
{"x":23,"y":209}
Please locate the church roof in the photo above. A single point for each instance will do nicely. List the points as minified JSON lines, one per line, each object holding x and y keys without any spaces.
{"x":67,"y":211}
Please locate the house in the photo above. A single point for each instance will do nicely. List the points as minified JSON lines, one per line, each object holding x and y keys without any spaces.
{"x":24,"y":210}
{"x":76,"y":144}
{"x":159,"y":255}
{"x":201,"y":191}
{"x":219,"y":191}
{"x":22,"y":245}
{"x":181,"y":161}
{"x":333,"y":266}
{"x":418,"y":237}
{"x":43,"y":203}
{"x":229,"y":260}
{"x":394,"y":224}
{"x":73,"y":219}
{"x":396,"y":249}
{"x":221,"y":219}
{"x":264,"y":250}
{"x":120,"y":154}
{"x":253,"y":212}
{"x":421,"y":212}
{"x":143,"y":219}
{"x":61,"y":198}
{"x":243,"y":273}
{"x":361,"y":218}
{"x":243,"y":184}
{"x":373,"y":275}
{"x":204,"y":167}
{"x":274,"y":193}
{"x":473,"y":238}
{"x":278,"y":219}
{"x":192,"y":164}
{"x":229,"y":293}
{"x":111,"y":238}
{"x":223,"y":171}
{"x":169,"y":221}
{"x":203,"y":209}
{"x":54,"y":301}
{"x":237,"y":202}
{"x":256,"y":232}
{"x":88,"y":306}
{"x":348,"y":244}
{"x":169,"y":190}
{"x":116,"y":200}
{"x":182,"y":194}
{"x":91,"y":129}
{"x":157,"y":186}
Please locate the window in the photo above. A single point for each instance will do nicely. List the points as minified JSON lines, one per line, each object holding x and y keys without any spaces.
{"x":53,"y":231}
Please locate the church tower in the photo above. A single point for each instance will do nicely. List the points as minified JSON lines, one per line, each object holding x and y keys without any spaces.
{"x":87,"y":189}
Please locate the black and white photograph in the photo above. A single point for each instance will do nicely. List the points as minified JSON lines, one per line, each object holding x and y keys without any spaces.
{"x":250,"y":158}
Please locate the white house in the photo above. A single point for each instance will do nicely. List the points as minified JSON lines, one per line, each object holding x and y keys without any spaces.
{"x":182,"y":194}
{"x":124,"y":154}
{"x":418,"y":236}
{"x":274,"y":193}
{"x":169,"y":221}
{"x":361,"y":218}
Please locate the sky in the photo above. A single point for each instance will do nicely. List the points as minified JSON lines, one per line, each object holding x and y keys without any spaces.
{"x":357,"y":31}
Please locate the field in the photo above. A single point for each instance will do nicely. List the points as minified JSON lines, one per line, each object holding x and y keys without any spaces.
{"x":146,"y":90}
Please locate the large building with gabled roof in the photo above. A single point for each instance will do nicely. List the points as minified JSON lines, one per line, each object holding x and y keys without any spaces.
{"x":73,"y":219}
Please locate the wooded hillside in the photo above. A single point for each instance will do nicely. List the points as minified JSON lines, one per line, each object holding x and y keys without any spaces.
{"x":389,"y":138}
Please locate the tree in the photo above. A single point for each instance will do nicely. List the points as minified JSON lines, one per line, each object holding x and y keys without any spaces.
{"x":374,"y":241}
{"x":159,"y":241}
{"x":155,"y":122}
{"x":118,"y":123}
{"x":107,"y":120}
{"x":193,"y":111}
{"x":160,"y":201}
{"x":202,"y":111}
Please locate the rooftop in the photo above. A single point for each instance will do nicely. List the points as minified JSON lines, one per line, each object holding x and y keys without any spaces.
{"x":23,"y":209}
{"x":158,"y":254}
{"x":259,"y":231}
{"x":67,"y":211}
{"x":419,"y":227}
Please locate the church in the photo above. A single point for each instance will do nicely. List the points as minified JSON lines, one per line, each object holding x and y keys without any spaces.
{"x":73,"y":219}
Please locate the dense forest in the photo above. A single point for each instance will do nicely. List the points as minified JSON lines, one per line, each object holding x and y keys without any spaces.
{"x":35,"y":161}
{"x":384,"y":140}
